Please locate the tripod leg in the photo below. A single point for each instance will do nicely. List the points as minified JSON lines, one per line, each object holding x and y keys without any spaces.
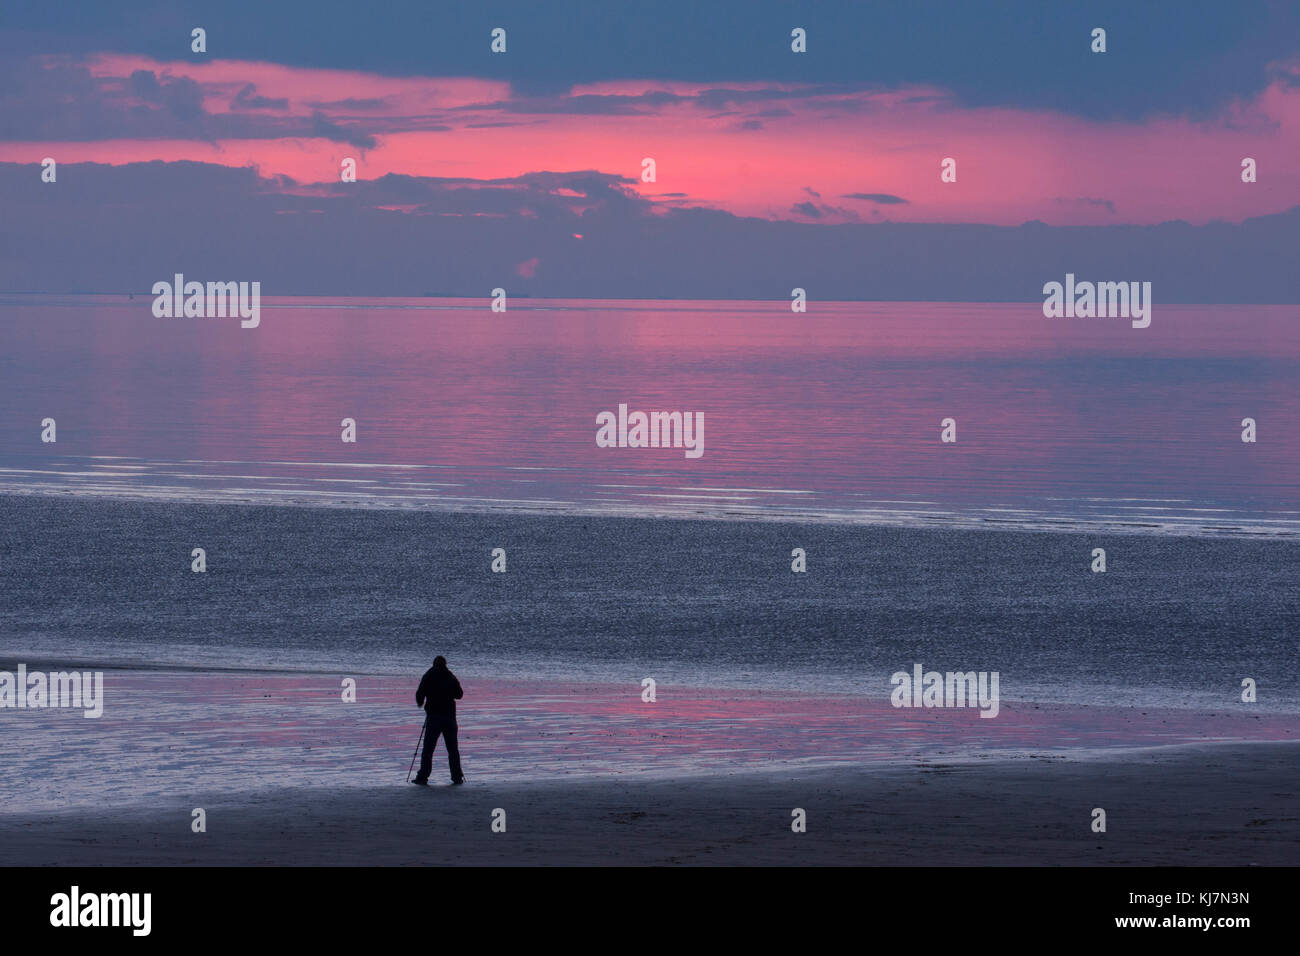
{"x":417,"y":749}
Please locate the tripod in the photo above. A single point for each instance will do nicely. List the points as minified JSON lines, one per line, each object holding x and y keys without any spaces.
{"x":417,"y":748}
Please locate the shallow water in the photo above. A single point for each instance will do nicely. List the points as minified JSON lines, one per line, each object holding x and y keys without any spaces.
{"x":166,"y":736}
{"x":1173,"y":622}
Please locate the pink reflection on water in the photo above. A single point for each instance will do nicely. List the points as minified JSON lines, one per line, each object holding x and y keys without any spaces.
{"x":838,"y":408}
{"x":168,"y":734}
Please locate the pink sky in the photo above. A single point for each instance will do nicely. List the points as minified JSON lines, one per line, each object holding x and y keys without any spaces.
{"x":759,"y":155}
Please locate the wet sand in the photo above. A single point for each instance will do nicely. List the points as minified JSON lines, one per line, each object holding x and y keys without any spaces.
{"x":1197,"y":805}
{"x":202,"y":735}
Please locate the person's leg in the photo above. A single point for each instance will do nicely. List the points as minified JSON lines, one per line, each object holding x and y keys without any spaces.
{"x":453,"y":751}
{"x":430,"y":744}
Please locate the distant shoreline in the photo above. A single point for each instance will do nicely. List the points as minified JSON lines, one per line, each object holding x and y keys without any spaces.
{"x":783,"y":303}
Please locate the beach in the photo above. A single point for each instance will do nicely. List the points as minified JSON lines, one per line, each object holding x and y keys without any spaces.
{"x":1195,"y":806}
{"x":274,"y":690}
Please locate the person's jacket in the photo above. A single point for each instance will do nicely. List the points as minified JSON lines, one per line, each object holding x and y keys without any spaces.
{"x":438,"y":692}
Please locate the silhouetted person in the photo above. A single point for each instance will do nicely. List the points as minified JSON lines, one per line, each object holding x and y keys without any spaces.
{"x":437,"y":694}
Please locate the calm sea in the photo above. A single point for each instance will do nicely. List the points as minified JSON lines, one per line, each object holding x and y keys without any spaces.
{"x":469,"y":421}
{"x":829,"y":415}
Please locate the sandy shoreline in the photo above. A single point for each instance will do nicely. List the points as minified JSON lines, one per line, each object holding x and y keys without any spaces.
{"x":1196,"y":805}
{"x":1120,"y":691}
{"x":225,"y":736}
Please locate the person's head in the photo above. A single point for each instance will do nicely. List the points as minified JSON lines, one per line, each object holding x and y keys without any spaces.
{"x":440,"y":662}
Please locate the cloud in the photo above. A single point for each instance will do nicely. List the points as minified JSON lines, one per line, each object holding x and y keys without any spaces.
{"x":335,"y":239}
{"x":246,"y":99}
{"x":885,"y":199}
{"x":1106,"y":204}
{"x":132,"y":108}
{"x":62,"y":100}
{"x":981,"y":53}
{"x":542,"y":196}
{"x":351,"y":103}
{"x":180,"y":95}
{"x":586,"y":104}
{"x":321,"y":126}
